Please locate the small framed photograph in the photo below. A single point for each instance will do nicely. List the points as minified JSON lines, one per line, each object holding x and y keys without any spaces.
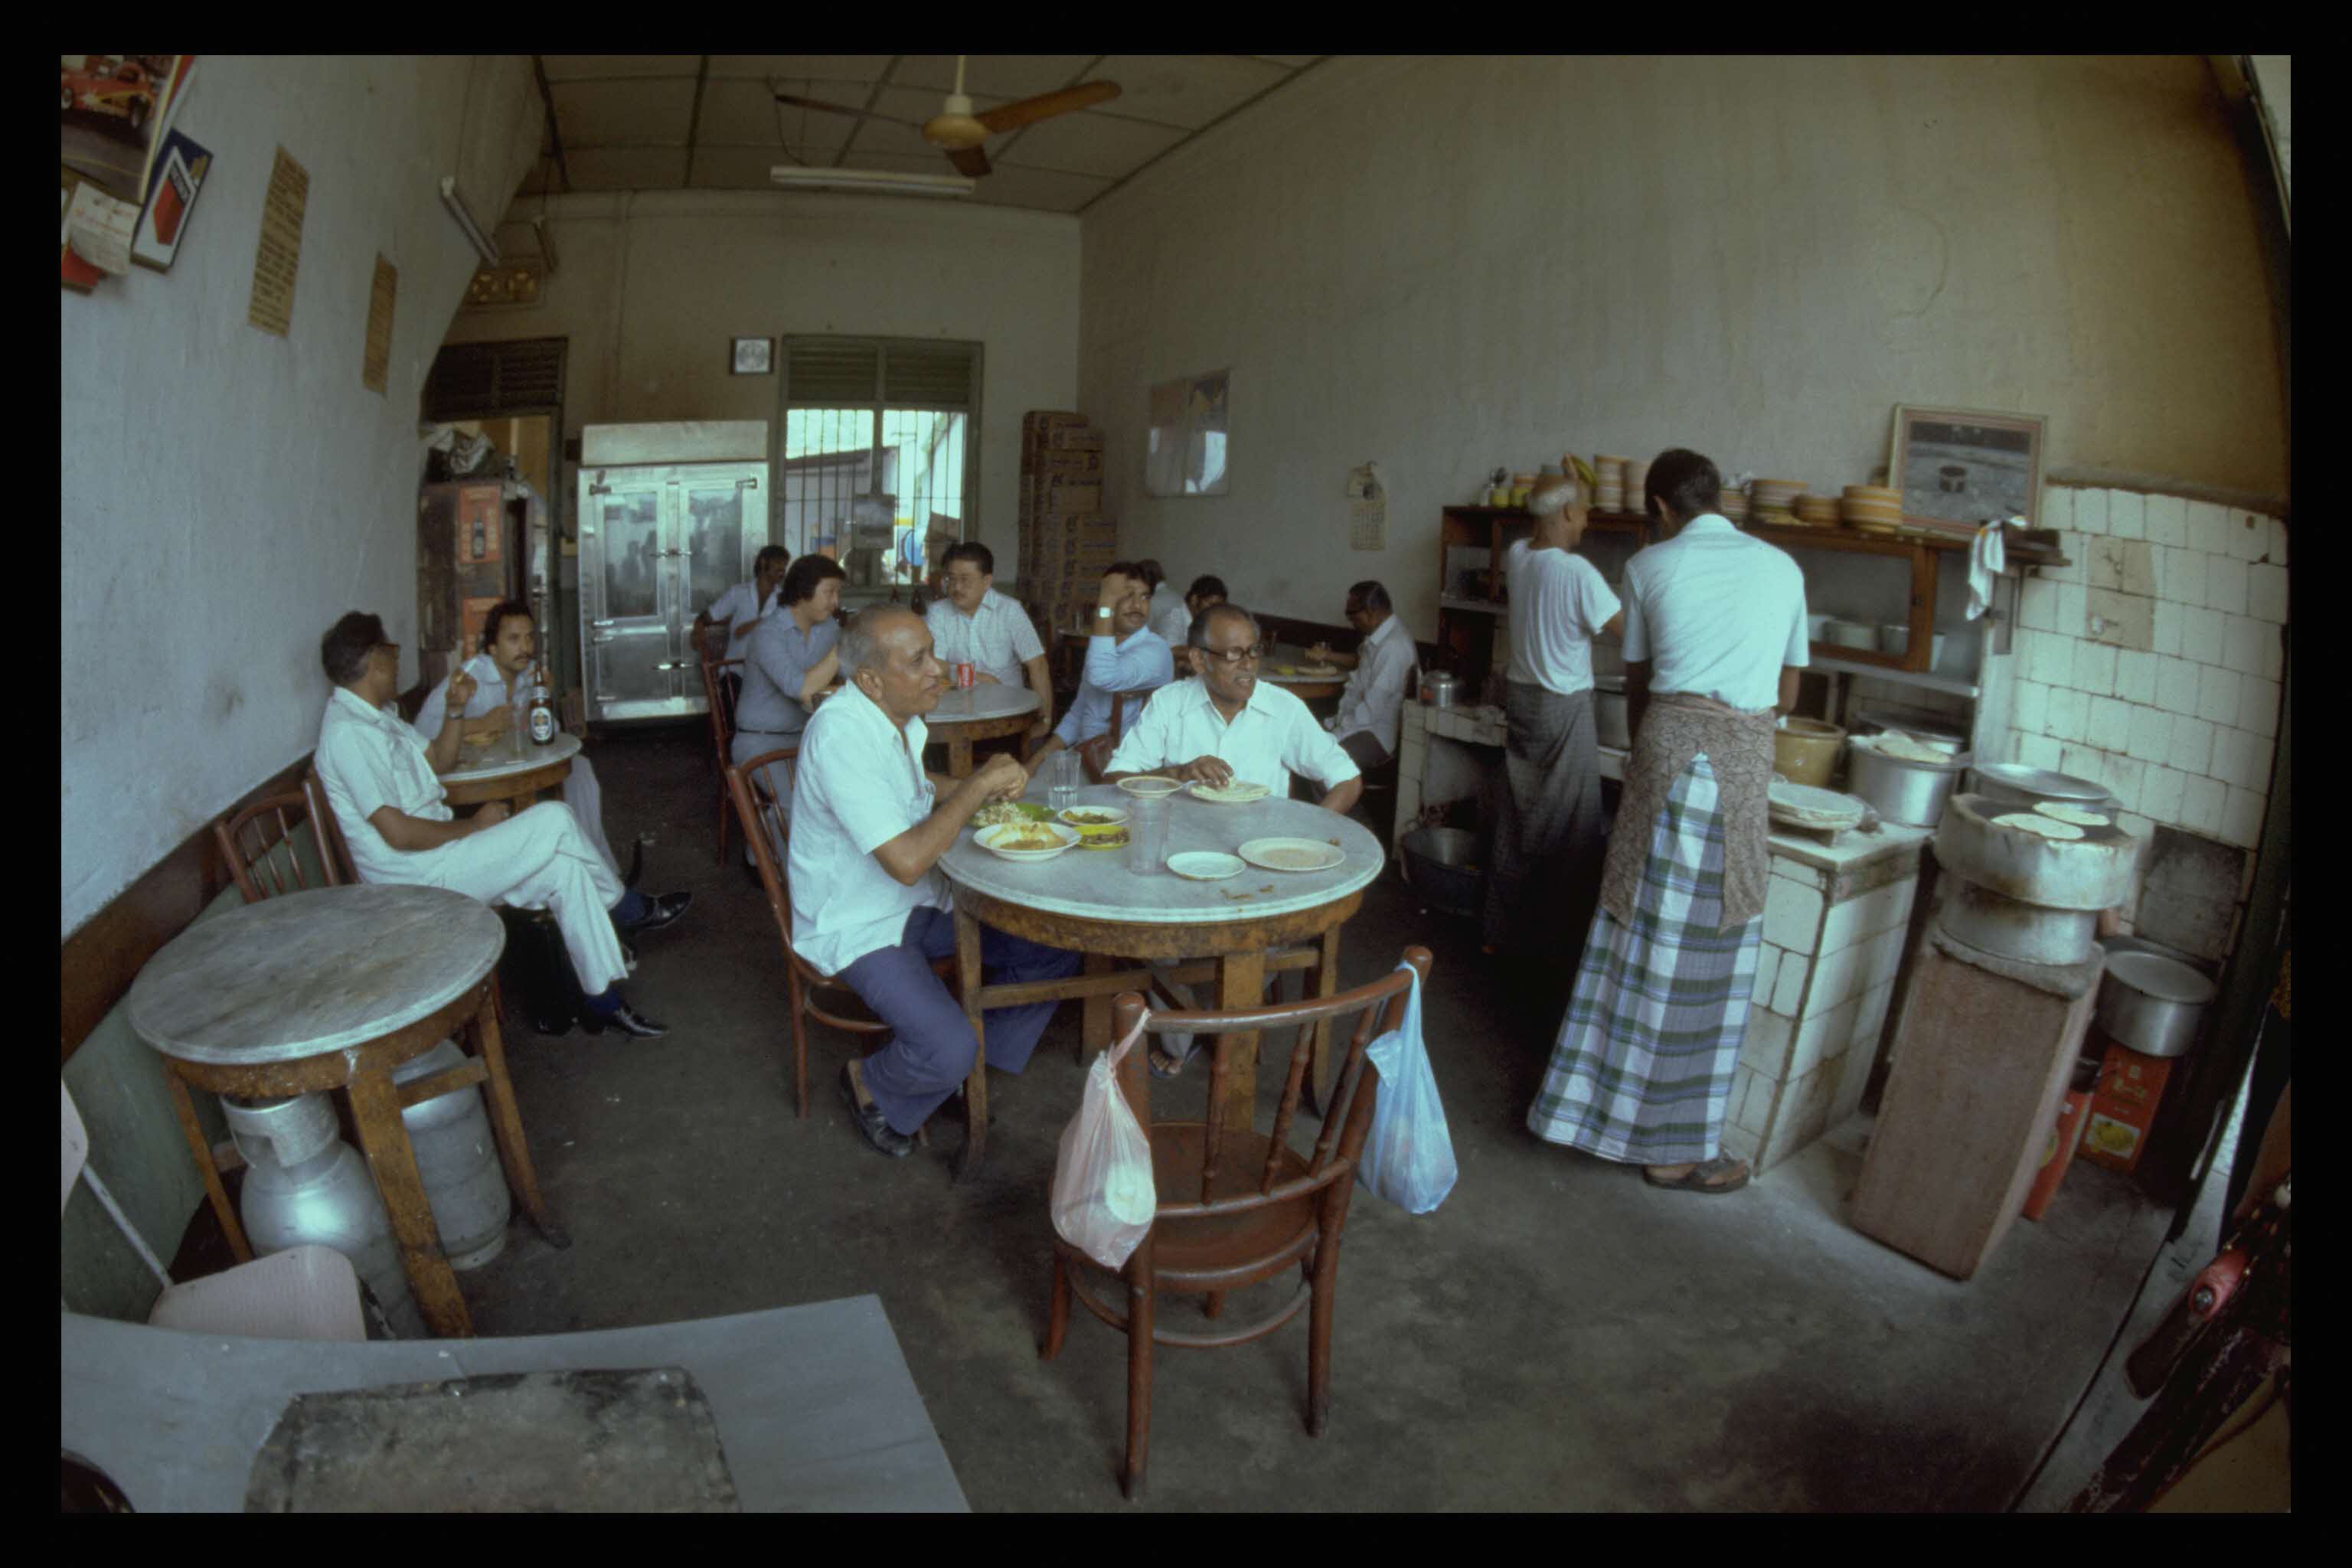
{"x":1958,"y":466}
{"x":754,"y":357}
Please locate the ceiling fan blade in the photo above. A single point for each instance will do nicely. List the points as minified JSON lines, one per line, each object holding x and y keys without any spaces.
{"x":969,"y":161}
{"x":1029,"y":110}
{"x":818,"y":103}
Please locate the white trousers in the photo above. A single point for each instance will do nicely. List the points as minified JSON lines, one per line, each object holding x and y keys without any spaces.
{"x":539,"y":860}
{"x":585,"y":797}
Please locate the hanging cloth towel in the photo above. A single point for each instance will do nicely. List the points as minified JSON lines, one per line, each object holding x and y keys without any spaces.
{"x":1985,"y":563}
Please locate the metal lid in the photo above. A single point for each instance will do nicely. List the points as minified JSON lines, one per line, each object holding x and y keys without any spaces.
{"x":2042,"y":783}
{"x":2162,"y":978}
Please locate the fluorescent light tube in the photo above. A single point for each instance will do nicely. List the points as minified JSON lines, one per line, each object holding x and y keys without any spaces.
{"x":455,"y":203}
{"x":876,"y":182}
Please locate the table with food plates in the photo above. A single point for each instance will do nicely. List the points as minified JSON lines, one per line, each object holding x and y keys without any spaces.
{"x":333,"y":988}
{"x":1244,"y":920}
{"x":512,"y":768}
{"x":1297,"y":673}
{"x":978,"y":713}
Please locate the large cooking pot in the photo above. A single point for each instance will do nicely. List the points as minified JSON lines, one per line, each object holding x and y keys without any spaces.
{"x":2015,"y":783}
{"x":1612,"y":721}
{"x":1906,"y":792}
{"x":1805,"y":751}
{"x":2153,"y":1004}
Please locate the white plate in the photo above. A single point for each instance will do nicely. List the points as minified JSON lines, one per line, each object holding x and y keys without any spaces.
{"x":1293,"y":854}
{"x":986,"y":838}
{"x":1232,"y":794}
{"x":1150,"y":786}
{"x":1206,"y":865}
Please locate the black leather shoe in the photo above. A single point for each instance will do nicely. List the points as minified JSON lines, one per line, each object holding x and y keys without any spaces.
{"x":636,"y":865}
{"x":871,"y":1125}
{"x":628,"y":1020}
{"x":661,"y":911}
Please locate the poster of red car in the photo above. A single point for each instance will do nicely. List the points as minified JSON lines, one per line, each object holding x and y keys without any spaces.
{"x":110,"y":108}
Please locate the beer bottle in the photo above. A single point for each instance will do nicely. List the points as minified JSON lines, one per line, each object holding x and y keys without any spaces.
{"x":542,"y":711}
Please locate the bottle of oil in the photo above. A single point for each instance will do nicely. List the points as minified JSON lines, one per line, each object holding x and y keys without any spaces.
{"x":542,"y":711}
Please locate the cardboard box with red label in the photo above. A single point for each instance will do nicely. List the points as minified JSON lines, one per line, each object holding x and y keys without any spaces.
{"x":2124,"y":1107}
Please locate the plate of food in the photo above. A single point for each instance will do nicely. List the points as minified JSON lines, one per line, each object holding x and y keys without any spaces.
{"x":1804,"y":806}
{"x":1304,"y":671}
{"x":1026,"y":840}
{"x":1241,"y":792}
{"x":1151,"y":787}
{"x":1100,"y":826}
{"x":997,"y":813}
{"x":1294,"y":854}
{"x":1206,"y":865}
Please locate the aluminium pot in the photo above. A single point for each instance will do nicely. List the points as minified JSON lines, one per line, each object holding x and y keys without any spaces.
{"x":2017,"y":785}
{"x":2153,"y":1005}
{"x":1912,"y":793}
{"x":1612,"y":720}
{"x":1440,"y":689}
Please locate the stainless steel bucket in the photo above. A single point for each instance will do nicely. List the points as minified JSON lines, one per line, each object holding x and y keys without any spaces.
{"x":1906,"y":792}
{"x":1441,"y":865}
{"x":458,"y":1161}
{"x":2153,"y":1005}
{"x":1612,"y":720}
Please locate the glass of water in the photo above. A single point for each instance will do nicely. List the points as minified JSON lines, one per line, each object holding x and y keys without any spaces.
{"x":1147,"y":835}
{"x":1065,"y":780}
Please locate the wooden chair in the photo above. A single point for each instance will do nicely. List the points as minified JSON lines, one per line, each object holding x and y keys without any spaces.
{"x":1095,"y":753}
{"x":257,"y":856}
{"x":1238,"y":1208}
{"x":812,"y":993}
{"x":333,"y":853}
{"x":721,"y":694}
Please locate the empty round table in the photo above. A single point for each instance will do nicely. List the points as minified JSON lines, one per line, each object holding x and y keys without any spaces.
{"x":333,"y":988}
{"x":978,"y":713}
{"x":511,"y":768}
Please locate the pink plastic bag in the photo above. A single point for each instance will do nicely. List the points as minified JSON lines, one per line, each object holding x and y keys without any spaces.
{"x":1104,"y":1197}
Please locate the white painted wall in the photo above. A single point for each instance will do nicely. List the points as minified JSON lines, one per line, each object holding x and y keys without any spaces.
{"x":651,"y":288}
{"x":1452,"y":263}
{"x":225,"y":493}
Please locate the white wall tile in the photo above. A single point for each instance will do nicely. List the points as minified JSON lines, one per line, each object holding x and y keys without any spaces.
{"x":2180,"y":575}
{"x":2242,"y":818}
{"x":2095,"y":668}
{"x":1789,"y":986}
{"x":2038,"y":751}
{"x":2071,"y":546}
{"x":2090,"y":512}
{"x":2110,"y":724}
{"x":2209,"y":528}
{"x":2274,"y":658}
{"x":2069,"y":713}
{"x":2260,"y":707}
{"x":2135,"y":674}
{"x":2167,"y":519}
{"x":2217,"y":695}
{"x":2152,"y":735}
{"x":2123,"y":776}
{"x":2225,"y":584}
{"x":1853,"y":1070}
{"x":2200,"y":634}
{"x":1792,"y":917}
{"x":2246,"y":536}
{"x":1768,"y":966}
{"x":2127,"y":514}
{"x":2276,"y":553}
{"x":2266,"y":593}
{"x":2049,"y":659}
{"x":2037,"y":605}
{"x":2243,"y":640}
{"x":2030,"y":707}
{"x":2242,"y":758}
{"x":2202,"y":800}
{"x":2072,"y":615}
{"x":2178,"y":681}
{"x":1814,"y":1036}
{"x":2165,"y":629}
{"x":1834,"y":978}
{"x":2192,"y":744}
{"x":1764,"y":1047}
{"x":2159,"y":792}
{"x":2057,"y":507}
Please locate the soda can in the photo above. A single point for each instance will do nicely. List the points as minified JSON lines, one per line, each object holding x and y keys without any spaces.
{"x":965,"y":677}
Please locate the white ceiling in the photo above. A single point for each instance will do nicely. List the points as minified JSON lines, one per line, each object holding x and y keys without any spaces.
{"x":638,"y":122}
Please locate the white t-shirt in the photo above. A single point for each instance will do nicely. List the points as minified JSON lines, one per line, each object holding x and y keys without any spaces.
{"x":1270,"y":739}
{"x":1372,"y":701}
{"x":1717,"y":613}
{"x":1167,"y":615}
{"x":860,"y":784}
{"x":997,"y":637}
{"x":1560,"y":602}
{"x":368,"y":760}
{"x":741,"y":600}
{"x":490,"y":694}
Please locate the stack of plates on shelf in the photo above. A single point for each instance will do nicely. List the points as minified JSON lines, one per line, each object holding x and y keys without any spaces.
{"x":1608,"y":481}
{"x":1871,"y":509}
{"x":1735,"y":505}
{"x":1637,"y":479}
{"x":1775,"y":495}
{"x":1817,"y":510}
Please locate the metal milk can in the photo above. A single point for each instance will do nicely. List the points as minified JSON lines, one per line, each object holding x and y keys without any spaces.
{"x":303,"y":1183}
{"x":459,"y":1162}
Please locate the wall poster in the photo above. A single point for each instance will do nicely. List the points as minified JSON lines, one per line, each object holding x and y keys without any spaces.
{"x":1956,"y":466}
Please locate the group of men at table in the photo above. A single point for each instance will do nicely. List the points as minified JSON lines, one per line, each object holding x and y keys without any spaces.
{"x":1713,"y":631}
{"x":868,"y":822}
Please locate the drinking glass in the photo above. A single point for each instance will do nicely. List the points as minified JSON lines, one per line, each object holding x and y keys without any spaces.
{"x":1065,"y":780}
{"x":1147,"y":836}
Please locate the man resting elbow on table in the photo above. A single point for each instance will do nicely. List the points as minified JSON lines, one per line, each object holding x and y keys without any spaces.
{"x":388,"y":800}
{"x":1122,"y":654}
{"x":869,"y":904}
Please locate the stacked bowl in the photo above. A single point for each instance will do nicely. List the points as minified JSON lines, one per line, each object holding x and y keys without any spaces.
{"x":1734,"y":505}
{"x":1871,"y":509}
{"x":1772,"y":499}
{"x":1609,"y":484}
{"x":1637,"y":482}
{"x":1816,"y":511}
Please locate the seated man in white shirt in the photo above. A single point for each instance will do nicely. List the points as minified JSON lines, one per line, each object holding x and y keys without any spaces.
{"x":976,"y":625}
{"x":387,"y":798}
{"x":1371,"y":705}
{"x":1166,"y":614}
{"x":1122,"y":654}
{"x":869,"y":906}
{"x":743,"y":606}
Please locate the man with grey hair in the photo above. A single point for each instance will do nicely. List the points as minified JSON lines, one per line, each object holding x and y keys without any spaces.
{"x":1547,"y":833}
{"x":869,"y":905}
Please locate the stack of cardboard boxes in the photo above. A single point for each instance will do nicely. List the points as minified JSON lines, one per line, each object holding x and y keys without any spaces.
{"x":1065,"y":541}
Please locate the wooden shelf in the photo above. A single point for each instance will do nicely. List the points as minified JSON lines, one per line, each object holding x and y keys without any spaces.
{"x":1472,"y":607}
{"x":1950,"y":685}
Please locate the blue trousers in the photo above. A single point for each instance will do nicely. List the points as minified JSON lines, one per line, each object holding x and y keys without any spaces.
{"x":931,"y":1050}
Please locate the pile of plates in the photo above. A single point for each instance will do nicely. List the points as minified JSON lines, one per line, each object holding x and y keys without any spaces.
{"x":1772,"y":499}
{"x":1822,"y":810}
{"x":1818,"y":512}
{"x":1871,"y":509}
{"x":1733,"y":504}
{"x":1637,"y":480}
{"x":1609,"y":483}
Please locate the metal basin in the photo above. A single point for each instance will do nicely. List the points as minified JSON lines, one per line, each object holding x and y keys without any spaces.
{"x":1442,"y":866}
{"x":2015,"y":783}
{"x":1912,"y":793}
{"x":2153,"y":1005}
{"x":2093,"y":872}
{"x":1990,"y":923}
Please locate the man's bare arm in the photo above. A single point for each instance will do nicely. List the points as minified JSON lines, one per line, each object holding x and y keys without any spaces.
{"x":918,"y":850}
{"x":1041,"y":681}
{"x":409,"y":834}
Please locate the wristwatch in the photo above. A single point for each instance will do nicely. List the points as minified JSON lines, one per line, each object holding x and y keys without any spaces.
{"x":1102,"y":612}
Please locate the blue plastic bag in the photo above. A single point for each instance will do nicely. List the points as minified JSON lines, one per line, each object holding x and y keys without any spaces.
{"x":1408,"y":1157}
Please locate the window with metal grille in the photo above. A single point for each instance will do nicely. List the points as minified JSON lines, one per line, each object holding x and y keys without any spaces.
{"x":485,"y":380}
{"x":880,"y":455}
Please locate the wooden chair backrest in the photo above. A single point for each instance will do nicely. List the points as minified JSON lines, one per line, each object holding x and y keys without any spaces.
{"x":259,"y":845}
{"x":333,"y":852}
{"x":721,"y":697}
{"x":1355,"y":1086}
{"x":768,"y":830}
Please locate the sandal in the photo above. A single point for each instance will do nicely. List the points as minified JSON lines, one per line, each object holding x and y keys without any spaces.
{"x":1165,"y":1064}
{"x":1695,"y":1179}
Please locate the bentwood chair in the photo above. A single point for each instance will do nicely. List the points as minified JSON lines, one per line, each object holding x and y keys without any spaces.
{"x":812,"y":993}
{"x":721,"y":693}
{"x":1096,"y":753}
{"x":332,"y":850}
{"x":263,"y":855}
{"x":1237,"y":1207}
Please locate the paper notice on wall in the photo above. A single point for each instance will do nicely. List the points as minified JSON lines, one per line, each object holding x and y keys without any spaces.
{"x":99,"y":229}
{"x":377,"y":361}
{"x":1368,"y":509}
{"x":281,"y":251}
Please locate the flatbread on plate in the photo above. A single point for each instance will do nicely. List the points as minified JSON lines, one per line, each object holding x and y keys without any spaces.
{"x":2076,"y":815}
{"x":2046,"y":827}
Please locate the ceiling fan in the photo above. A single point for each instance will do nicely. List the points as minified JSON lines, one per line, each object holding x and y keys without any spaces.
{"x":959,"y":131}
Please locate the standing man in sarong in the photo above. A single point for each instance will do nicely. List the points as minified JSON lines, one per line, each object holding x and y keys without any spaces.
{"x":1547,"y":839}
{"x":1715,"y":634}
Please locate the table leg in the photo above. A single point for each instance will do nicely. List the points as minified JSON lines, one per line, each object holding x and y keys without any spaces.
{"x":506,"y":1121}
{"x":1326,"y":985}
{"x":959,"y":756}
{"x":1241,"y":984}
{"x":384,"y":1138}
{"x":1094,"y":1024}
{"x":185,"y":1108}
{"x":975,"y":1088}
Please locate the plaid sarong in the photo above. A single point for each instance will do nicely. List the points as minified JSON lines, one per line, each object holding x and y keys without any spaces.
{"x":1642,"y":1068}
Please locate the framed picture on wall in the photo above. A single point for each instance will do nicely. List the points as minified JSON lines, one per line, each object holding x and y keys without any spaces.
{"x":1961,"y":466}
{"x":1184,"y":443}
{"x":754,"y":357}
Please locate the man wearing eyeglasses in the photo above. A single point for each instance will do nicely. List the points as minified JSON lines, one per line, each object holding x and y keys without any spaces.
{"x":1228,"y":725}
{"x":976,"y":625}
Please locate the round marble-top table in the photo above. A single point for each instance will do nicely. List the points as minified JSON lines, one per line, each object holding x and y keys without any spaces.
{"x":1308,"y":688}
{"x":510,"y":768}
{"x":978,"y":713}
{"x":1089,"y":900}
{"x":333,"y":988}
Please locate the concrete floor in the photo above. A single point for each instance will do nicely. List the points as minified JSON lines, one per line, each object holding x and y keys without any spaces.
{"x":1558,"y":1336}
